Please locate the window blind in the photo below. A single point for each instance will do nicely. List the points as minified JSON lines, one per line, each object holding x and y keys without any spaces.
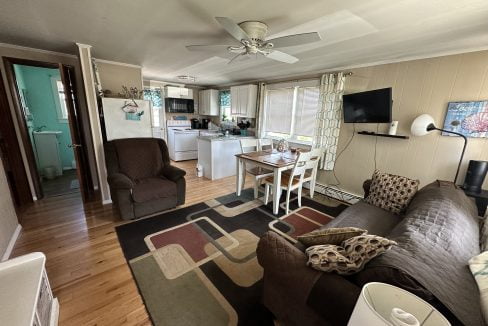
{"x":279,"y":110}
{"x":307,"y":104}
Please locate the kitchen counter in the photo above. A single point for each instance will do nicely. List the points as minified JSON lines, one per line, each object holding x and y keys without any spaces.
{"x":224,"y":138}
{"x":216,"y":155}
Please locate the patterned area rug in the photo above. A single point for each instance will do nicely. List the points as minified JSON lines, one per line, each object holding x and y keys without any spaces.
{"x":197,"y":265}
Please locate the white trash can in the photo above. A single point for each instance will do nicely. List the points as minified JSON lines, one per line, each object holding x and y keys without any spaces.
{"x":50,"y":172}
{"x":199,"y":170}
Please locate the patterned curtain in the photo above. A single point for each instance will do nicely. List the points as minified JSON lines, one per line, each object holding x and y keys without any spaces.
{"x":328,"y":123}
{"x":154,"y":95}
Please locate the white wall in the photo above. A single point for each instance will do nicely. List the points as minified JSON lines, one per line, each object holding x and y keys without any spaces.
{"x":419,"y":86}
{"x":8,"y":217}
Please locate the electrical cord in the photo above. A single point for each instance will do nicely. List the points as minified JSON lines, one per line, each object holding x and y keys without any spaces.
{"x":375,"y":144}
{"x":339,"y":155}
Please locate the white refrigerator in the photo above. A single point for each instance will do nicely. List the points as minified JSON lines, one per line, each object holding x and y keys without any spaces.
{"x":122,"y":124}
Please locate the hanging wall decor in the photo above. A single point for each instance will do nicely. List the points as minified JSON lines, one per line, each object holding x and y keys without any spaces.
{"x":468,"y":118}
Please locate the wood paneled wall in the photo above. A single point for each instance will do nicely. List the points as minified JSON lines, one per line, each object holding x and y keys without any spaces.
{"x":419,"y":86}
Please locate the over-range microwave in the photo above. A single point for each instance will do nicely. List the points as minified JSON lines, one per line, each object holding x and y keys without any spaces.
{"x":179,"y":105}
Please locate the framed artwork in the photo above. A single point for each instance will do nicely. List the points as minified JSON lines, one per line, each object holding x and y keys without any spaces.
{"x":468,"y":118}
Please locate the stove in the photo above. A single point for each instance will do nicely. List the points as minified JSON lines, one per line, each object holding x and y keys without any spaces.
{"x":182,"y":140}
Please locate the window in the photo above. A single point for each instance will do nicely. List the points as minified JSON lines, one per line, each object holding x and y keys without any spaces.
{"x":155,"y":96}
{"x":59,"y":99}
{"x":224,"y":98}
{"x":290,"y":111}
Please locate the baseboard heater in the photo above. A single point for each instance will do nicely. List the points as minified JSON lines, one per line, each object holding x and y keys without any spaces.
{"x":336,"y":193}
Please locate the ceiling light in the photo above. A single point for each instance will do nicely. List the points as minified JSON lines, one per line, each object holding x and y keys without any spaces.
{"x":186,"y":78}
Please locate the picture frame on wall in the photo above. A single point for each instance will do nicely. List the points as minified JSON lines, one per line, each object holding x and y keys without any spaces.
{"x":469,"y":118}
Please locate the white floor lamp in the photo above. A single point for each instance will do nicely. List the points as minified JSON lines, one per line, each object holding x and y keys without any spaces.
{"x":424,"y":124}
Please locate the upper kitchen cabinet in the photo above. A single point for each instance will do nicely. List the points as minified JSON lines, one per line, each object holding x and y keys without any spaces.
{"x":179,"y":92}
{"x":243,"y":100}
{"x":209,"y":102}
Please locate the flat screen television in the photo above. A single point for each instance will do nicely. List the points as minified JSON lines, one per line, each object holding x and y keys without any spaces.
{"x":368,"y":107}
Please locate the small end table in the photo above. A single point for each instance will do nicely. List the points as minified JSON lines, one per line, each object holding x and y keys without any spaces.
{"x":481,"y":199}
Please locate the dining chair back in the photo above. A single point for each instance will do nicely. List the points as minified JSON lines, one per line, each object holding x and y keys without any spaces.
{"x":258,"y":173}
{"x":312,"y":167}
{"x":265,"y":144}
{"x":249,"y":145}
{"x":300,"y":167}
{"x":292,"y":181}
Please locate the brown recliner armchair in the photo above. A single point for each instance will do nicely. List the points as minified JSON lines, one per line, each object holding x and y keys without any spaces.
{"x":141,"y":179}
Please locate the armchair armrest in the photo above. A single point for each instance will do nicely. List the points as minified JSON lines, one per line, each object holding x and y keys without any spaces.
{"x":120,"y":181}
{"x":173,"y":173}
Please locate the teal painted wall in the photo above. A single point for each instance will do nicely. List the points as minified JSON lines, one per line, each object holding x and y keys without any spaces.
{"x":40,"y":100}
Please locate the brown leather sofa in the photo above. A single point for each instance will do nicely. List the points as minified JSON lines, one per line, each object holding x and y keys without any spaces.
{"x":436,"y":237}
{"x":142,"y":181}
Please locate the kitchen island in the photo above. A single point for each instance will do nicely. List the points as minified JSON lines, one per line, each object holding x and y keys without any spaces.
{"x":216,"y":154}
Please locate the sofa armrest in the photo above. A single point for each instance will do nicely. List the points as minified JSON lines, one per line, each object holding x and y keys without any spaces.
{"x":120,"y":181}
{"x":333,"y":297}
{"x":173,"y":173}
{"x":286,"y":265}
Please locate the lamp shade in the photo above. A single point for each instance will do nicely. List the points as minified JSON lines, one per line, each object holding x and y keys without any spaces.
{"x":381,"y":304}
{"x":420,"y":124}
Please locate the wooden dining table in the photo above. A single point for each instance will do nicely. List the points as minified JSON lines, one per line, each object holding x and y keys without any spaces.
{"x":267,"y":159}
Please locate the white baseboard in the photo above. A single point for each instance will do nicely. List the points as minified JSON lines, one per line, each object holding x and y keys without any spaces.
{"x":12,"y":242}
{"x":106,"y":201}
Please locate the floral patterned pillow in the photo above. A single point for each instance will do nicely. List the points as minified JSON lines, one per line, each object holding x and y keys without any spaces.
{"x":391,"y":192}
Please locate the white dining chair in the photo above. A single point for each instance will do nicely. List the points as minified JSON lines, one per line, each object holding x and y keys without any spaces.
{"x":290,"y":182}
{"x":265,"y":144}
{"x":312,"y":167}
{"x":258,"y":173}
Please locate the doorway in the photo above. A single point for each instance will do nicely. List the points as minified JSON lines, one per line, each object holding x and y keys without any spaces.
{"x":47,"y":110}
{"x":43,"y":102}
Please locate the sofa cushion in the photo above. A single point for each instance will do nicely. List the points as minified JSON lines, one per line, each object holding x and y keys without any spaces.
{"x":436,"y":239}
{"x":333,"y":236}
{"x":139,"y":158}
{"x":391,"y":192}
{"x":153,"y":188}
{"x":365,"y":216}
{"x":349,"y":258}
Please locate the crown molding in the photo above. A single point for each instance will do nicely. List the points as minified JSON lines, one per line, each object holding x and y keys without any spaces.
{"x":26,"y":48}
{"x":118,"y":63}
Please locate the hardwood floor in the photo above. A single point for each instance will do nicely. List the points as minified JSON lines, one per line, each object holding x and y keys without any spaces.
{"x":85,"y":264}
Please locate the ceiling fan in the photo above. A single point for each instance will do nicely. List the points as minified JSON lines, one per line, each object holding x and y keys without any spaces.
{"x":252,"y":38}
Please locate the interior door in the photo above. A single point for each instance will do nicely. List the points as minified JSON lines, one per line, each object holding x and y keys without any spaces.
{"x":11,"y":155}
{"x":77,"y":143}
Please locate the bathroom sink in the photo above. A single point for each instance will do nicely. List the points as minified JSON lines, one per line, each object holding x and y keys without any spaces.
{"x":47,"y":132}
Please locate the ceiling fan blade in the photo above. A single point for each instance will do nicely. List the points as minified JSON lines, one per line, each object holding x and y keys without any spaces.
{"x":232,"y":28}
{"x":282,"y":56}
{"x":293,"y":40}
{"x":240,"y":58}
{"x":210,"y":47}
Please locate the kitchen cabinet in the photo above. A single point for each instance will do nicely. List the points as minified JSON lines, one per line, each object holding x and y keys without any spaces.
{"x":179,"y":92}
{"x":243,"y":100}
{"x":209,"y":102}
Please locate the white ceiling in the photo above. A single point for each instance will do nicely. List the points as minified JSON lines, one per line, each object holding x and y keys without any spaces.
{"x":153,"y":34}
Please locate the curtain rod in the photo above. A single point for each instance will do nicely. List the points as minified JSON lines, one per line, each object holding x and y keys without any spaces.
{"x":346,"y":74}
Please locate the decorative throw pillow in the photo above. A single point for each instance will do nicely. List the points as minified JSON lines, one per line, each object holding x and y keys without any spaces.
{"x":391,"y":192}
{"x":349,"y":258}
{"x":333,"y":236}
